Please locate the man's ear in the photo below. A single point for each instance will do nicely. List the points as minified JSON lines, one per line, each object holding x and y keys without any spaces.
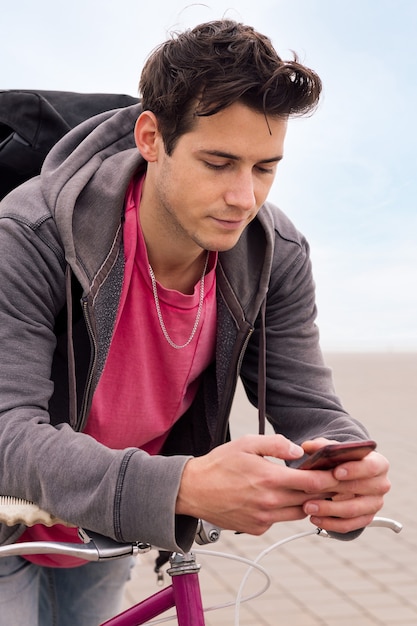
{"x":147,"y":136}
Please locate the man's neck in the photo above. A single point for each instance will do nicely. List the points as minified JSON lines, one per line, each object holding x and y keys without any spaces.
{"x":176,"y":264}
{"x":179,"y":276}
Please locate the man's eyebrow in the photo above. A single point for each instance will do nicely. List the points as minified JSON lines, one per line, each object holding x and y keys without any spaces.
{"x":234,"y":157}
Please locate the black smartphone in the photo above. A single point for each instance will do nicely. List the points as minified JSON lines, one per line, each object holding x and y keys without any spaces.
{"x":333,"y":454}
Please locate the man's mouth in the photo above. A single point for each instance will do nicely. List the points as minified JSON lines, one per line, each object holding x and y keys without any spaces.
{"x":230,"y":224}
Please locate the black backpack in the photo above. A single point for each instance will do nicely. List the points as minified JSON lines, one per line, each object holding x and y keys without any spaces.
{"x":31,"y":122}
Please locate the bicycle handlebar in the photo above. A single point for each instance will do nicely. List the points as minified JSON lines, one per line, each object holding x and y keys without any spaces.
{"x":386,"y":522}
{"x":97,"y":547}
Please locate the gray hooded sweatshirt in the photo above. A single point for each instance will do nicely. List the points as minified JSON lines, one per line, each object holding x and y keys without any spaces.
{"x":60,"y":282}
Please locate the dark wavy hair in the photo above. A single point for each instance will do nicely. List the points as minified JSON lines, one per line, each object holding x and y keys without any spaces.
{"x":201,"y":71}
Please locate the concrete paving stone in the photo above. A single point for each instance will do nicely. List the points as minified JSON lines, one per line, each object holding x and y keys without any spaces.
{"x":340,"y":620}
{"x":227,"y":619}
{"x":248,"y":612}
{"x":394,"y":613}
{"x":351,"y":583}
{"x":332,"y":611}
{"x":382,"y":599}
{"x":280,"y":603}
{"x":285,"y":605}
{"x":408,"y":593}
{"x":400,"y":622}
{"x":291,"y":575}
{"x":394,"y":577}
{"x":299,"y":617}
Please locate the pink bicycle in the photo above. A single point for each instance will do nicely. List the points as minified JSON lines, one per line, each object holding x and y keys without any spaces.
{"x":184,"y":591}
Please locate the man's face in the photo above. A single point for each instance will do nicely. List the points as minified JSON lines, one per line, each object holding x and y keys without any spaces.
{"x":216,"y":179}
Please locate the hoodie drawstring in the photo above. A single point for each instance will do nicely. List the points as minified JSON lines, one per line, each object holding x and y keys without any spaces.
{"x":72,"y":385}
{"x":262,"y":372}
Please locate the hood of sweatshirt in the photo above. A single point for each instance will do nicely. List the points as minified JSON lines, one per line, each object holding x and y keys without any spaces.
{"x":84,"y":180}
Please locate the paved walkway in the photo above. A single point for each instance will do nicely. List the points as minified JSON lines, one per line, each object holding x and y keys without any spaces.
{"x":321,"y":582}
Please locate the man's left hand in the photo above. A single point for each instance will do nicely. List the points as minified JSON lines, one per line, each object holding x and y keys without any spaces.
{"x":358,"y":496}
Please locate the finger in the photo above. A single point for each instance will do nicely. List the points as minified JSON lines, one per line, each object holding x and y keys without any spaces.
{"x":312,"y":445}
{"x":313,"y":481}
{"x":341,"y":525}
{"x":276,"y":446}
{"x":351,"y":508}
{"x":259,"y":524}
{"x":366,"y":477}
{"x":372,"y":466}
{"x":364,"y":487}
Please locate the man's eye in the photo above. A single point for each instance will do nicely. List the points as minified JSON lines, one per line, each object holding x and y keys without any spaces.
{"x":266,"y":170}
{"x":215,"y":166}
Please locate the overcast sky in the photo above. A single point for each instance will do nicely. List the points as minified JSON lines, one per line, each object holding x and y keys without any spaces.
{"x":349,"y":177}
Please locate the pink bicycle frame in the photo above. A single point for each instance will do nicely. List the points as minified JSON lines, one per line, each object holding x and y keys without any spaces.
{"x":184,"y":594}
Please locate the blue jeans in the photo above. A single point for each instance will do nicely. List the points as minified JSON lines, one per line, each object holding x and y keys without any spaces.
{"x":44,"y":596}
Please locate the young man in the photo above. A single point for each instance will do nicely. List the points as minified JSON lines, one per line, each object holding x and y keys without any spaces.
{"x":141,"y":274}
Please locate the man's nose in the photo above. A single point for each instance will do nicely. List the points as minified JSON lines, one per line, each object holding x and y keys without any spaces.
{"x":241,"y":192}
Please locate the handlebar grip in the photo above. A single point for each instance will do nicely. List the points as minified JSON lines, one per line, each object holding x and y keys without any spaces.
{"x":19,"y":511}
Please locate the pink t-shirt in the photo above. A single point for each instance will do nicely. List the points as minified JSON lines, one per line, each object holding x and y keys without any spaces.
{"x":146,"y":384}
{"x":128,"y":407}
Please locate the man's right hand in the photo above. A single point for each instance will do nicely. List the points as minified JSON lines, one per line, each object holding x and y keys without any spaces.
{"x":236,"y":487}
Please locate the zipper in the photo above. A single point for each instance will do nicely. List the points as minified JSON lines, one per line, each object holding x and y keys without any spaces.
{"x":83,"y":413}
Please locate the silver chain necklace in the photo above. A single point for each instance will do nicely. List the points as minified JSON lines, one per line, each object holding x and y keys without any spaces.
{"x":159,"y":312}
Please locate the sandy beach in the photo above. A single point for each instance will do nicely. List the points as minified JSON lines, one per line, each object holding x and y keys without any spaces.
{"x":322,"y":582}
